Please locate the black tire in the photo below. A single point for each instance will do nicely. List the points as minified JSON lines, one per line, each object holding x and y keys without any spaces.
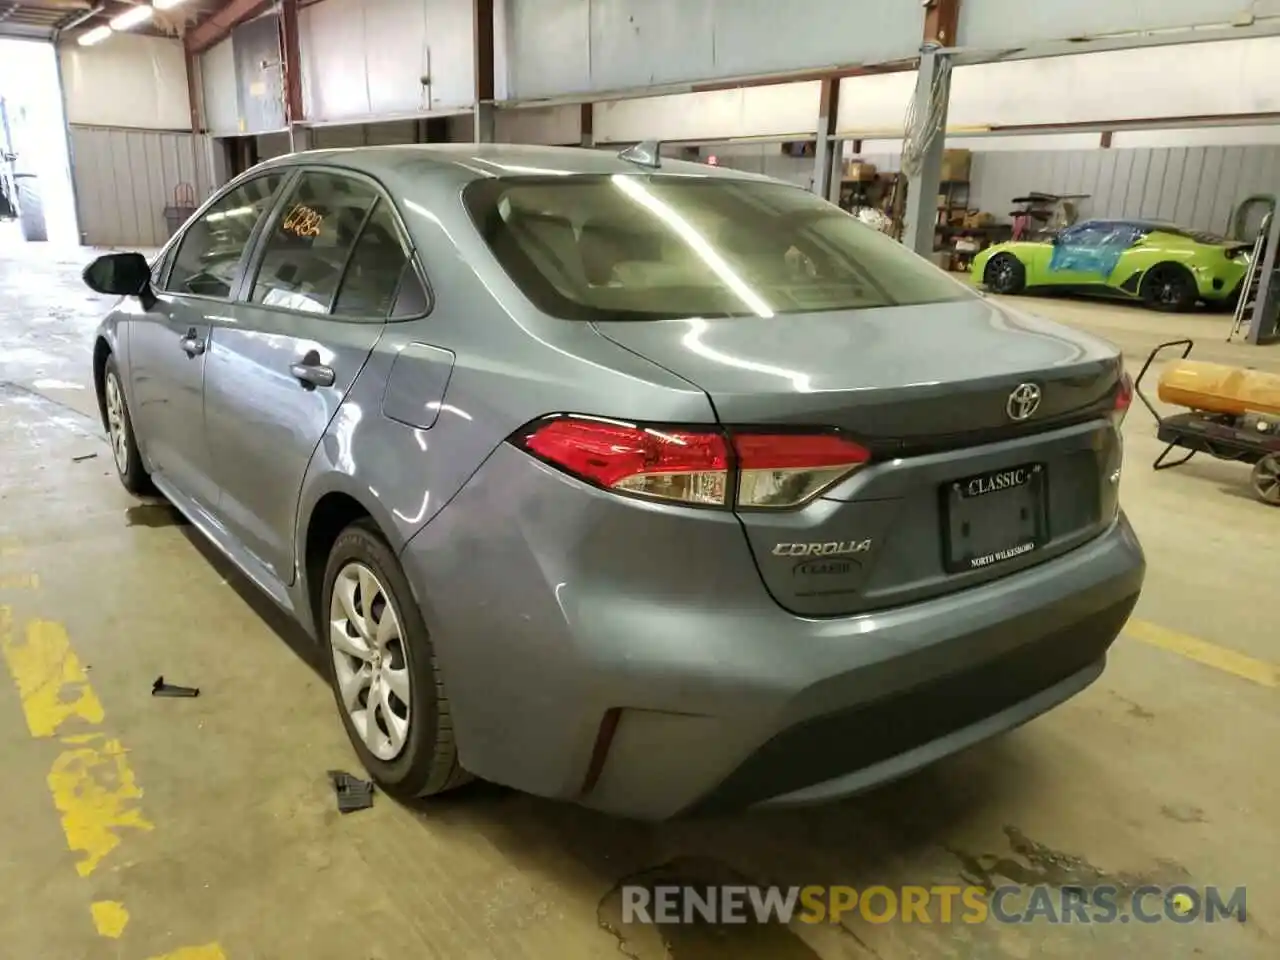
{"x":120,"y":436}
{"x":1005,"y":274}
{"x":1169,"y":288}
{"x":1266,"y":479}
{"x":428,"y":762}
{"x":31,"y":209}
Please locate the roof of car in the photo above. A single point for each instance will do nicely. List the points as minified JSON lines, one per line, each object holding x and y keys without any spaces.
{"x":1136,"y":224}
{"x":480,"y":160}
{"x":1199,"y":236}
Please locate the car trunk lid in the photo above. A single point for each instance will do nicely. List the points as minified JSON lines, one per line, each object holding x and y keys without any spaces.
{"x":991,"y":447}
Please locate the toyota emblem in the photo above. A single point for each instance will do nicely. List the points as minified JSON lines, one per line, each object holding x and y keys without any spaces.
{"x":1023,"y":402}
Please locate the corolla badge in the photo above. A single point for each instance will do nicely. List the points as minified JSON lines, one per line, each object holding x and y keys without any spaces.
{"x":1023,"y":402}
{"x":829,"y":548}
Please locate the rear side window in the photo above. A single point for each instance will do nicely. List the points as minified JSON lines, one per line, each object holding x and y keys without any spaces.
{"x":208,"y":255}
{"x":315,"y":234}
{"x":376,"y":268}
{"x":658,"y":247}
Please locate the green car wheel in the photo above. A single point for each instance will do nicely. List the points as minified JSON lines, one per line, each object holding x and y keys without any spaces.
{"x":1005,"y":274}
{"x":1169,"y":287}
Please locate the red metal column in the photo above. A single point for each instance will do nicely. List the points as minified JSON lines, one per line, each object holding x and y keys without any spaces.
{"x":941,"y":20}
{"x":482,"y":21}
{"x":291,"y":62}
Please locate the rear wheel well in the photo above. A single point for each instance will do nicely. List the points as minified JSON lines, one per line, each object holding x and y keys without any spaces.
{"x":332,"y":514}
{"x":101,"y":351}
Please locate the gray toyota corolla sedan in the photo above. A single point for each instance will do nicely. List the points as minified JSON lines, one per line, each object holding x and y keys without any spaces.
{"x":650,"y":485}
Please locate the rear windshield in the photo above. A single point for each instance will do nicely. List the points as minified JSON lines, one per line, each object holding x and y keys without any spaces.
{"x":630,"y":247}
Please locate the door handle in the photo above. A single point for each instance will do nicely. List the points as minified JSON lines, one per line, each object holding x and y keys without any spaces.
{"x":313,"y":373}
{"x":192,"y":345}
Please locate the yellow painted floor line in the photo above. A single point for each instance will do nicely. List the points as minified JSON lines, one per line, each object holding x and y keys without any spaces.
{"x":1202,"y":651}
{"x":210,"y":951}
{"x":51,"y":681}
{"x":109,"y":918}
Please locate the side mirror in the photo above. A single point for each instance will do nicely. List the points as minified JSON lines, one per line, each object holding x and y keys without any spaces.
{"x":119,"y":275}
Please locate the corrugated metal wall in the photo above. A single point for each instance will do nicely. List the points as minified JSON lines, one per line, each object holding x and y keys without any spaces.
{"x":124,"y":179}
{"x":1195,"y":187}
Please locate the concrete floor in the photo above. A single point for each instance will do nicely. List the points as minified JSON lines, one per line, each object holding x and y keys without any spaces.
{"x":205,"y":829}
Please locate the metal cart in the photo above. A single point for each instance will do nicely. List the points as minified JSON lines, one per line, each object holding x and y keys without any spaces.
{"x":1250,"y":438}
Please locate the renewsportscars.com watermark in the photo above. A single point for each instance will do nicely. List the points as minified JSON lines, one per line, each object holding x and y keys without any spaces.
{"x":937,"y":904}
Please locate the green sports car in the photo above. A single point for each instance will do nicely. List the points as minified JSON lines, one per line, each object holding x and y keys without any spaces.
{"x":1166,"y":267}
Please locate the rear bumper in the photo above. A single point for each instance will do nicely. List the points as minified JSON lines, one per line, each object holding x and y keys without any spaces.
{"x":560,"y":613}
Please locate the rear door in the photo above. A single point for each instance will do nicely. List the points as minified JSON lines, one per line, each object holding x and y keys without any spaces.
{"x":313,"y":304}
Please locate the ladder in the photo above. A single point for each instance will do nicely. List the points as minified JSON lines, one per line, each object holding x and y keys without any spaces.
{"x":1251,"y":288}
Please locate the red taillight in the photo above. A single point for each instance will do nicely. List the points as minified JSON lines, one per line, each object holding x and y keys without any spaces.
{"x":1124,"y":397}
{"x":669,"y":464}
{"x":697,"y":467}
{"x":783,"y":470}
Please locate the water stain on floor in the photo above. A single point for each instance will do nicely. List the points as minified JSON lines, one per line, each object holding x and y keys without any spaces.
{"x":154,"y":515}
{"x":1035,"y":863}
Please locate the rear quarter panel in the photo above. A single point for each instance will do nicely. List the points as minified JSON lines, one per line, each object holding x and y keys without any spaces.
{"x":1206,"y":262}
{"x":510,"y":365}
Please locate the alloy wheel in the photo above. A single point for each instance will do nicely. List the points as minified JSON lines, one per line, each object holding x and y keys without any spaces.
{"x":370,"y":660}
{"x":1168,"y":288}
{"x":117,"y":429}
{"x":1003,"y":274}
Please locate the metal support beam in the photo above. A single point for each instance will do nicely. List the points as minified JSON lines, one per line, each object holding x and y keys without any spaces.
{"x":71,"y":152}
{"x":941,"y":21}
{"x":1262,"y":325}
{"x":195,"y":92}
{"x":968,"y":56}
{"x":482,"y":22}
{"x":826,"y":154}
{"x":933,"y":90}
{"x":221,"y":23}
{"x":291,"y":62}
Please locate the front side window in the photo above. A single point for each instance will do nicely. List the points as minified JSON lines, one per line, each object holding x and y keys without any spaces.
{"x":208,"y":255}
{"x":306,"y":253}
{"x":656,"y":247}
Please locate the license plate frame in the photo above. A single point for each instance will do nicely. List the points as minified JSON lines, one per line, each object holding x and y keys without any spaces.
{"x":971,"y":504}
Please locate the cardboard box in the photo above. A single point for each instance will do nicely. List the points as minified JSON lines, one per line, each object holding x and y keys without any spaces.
{"x":955,"y":166}
{"x":859,"y":170}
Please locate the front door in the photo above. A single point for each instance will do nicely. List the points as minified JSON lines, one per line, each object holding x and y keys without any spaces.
{"x":168,"y":343}
{"x":321,"y":289}
{"x":1087,"y":254}
{"x":166,"y":371}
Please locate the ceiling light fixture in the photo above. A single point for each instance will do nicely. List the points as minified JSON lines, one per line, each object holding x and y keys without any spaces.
{"x":96,"y":35}
{"x":166,"y":4}
{"x":132,"y":18}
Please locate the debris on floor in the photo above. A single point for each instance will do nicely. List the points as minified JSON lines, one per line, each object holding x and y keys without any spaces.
{"x":353,"y":793}
{"x":83,"y":457}
{"x":162,"y":689}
